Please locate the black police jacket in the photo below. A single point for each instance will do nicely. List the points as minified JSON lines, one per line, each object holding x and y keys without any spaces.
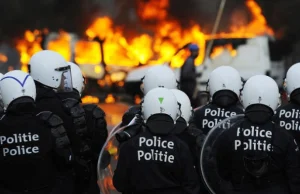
{"x":288,"y":117}
{"x":155,"y":164}
{"x":48,"y":100}
{"x":206,"y":117}
{"x":259,"y":158}
{"x":89,"y":121}
{"x":94,"y":121}
{"x":28,"y":153}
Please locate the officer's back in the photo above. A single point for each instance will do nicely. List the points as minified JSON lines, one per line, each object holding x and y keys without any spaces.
{"x":287,"y":116}
{"x":89,"y":121}
{"x":256,"y":155}
{"x":52,"y":74}
{"x":224,"y":86}
{"x":155,"y":161}
{"x":28,"y":147}
{"x":184,"y":129}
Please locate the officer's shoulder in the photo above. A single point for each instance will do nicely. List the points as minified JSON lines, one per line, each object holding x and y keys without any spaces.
{"x":281,"y":132}
{"x":283,"y":107}
{"x":194,"y":131}
{"x":73,"y":107}
{"x":70,"y":101}
{"x":287,"y":106}
{"x":94,"y":109}
{"x":238,"y":109}
{"x":50,"y":118}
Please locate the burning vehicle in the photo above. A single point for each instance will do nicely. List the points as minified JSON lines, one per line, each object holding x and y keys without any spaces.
{"x":114,"y":60}
{"x":250,"y":56}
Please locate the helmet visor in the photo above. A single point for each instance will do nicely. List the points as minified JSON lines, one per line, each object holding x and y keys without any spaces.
{"x":66,"y":84}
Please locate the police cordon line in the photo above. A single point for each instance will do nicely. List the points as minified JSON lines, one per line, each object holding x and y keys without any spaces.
{"x":163,"y":153}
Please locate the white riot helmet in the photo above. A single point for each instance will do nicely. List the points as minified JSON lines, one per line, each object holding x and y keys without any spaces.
{"x":159,"y":76}
{"x":160,"y":101}
{"x":261,"y":89}
{"x":77,"y":77}
{"x":50,"y":69}
{"x":292,"y":80}
{"x":16,"y":84}
{"x":185,"y":105}
{"x":224,"y":78}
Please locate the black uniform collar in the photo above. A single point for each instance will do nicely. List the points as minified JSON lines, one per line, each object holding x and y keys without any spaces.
{"x":180,"y":126}
{"x":21,"y":106}
{"x":160,"y":124}
{"x":43,"y":91}
{"x":225,"y":98}
{"x":295,"y":97}
{"x":259,"y":114}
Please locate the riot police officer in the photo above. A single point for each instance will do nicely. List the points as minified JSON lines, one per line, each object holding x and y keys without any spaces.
{"x":94,"y":126}
{"x":288,"y":116}
{"x":254,"y":155}
{"x":188,"y":75}
{"x":187,"y":131}
{"x":184,"y":129}
{"x":157,"y":76}
{"x":224,"y":87}
{"x":52,"y":74}
{"x":155,"y":161}
{"x":32,"y":146}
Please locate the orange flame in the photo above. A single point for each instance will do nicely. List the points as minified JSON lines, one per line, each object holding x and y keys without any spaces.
{"x":61,"y":45}
{"x":3,"y":58}
{"x":153,"y":9}
{"x":30,"y":44}
{"x":159,"y":48}
{"x":110,"y":99}
{"x":137,"y":99}
{"x":219,"y":49}
{"x":90,"y":100}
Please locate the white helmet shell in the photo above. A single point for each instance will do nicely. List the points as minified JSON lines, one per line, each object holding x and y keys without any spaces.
{"x":261,"y":89}
{"x":43,"y":65}
{"x":16,"y":84}
{"x":160,"y":101}
{"x":77,"y":77}
{"x":292,"y":80}
{"x":225,"y":78}
{"x":159,"y":76}
{"x":185,"y":104}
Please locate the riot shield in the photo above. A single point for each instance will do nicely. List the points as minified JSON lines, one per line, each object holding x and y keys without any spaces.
{"x":114,"y":130}
{"x":208,"y":158}
{"x":119,"y":125}
{"x":108,"y":160}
